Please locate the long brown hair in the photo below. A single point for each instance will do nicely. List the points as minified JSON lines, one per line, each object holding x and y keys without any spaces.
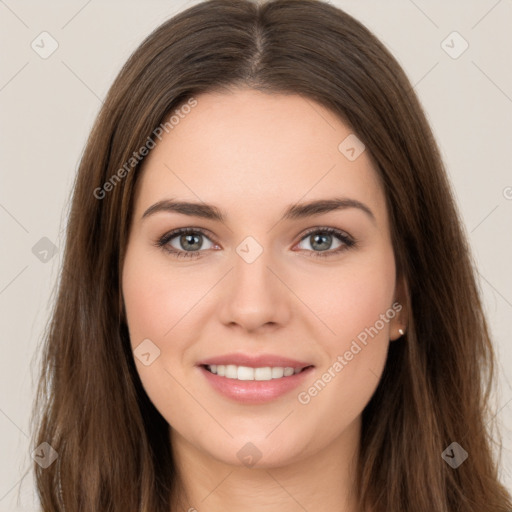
{"x":112,"y":444}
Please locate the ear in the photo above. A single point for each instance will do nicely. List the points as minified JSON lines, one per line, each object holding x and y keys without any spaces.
{"x":400,"y":306}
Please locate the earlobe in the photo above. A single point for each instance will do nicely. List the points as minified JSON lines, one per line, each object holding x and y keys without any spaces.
{"x":400,"y":332}
{"x":399,"y":323}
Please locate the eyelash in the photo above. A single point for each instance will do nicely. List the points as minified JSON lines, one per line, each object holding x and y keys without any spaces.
{"x":347,"y":241}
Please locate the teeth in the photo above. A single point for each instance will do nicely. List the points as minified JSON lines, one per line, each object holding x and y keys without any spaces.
{"x":263,"y":373}
{"x":245,"y":373}
{"x":232,"y":371}
{"x":277,"y":372}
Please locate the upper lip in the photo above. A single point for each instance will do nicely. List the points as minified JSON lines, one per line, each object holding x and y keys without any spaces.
{"x":254,"y":361}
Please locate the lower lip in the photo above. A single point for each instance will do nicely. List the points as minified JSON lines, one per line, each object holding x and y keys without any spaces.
{"x":255,"y":391}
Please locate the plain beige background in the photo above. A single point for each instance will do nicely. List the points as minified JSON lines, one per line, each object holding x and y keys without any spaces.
{"x":48,"y":106}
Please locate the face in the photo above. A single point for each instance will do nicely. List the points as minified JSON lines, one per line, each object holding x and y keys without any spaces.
{"x":252,"y":287}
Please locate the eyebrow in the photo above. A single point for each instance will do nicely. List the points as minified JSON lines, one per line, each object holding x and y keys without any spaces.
{"x":292,"y":212}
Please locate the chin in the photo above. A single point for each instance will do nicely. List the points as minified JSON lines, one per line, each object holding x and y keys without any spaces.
{"x":259,"y":451}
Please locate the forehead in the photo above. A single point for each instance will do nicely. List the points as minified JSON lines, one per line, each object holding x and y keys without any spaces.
{"x":250,"y":149}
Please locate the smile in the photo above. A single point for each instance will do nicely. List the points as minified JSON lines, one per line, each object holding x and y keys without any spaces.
{"x":254,"y":385}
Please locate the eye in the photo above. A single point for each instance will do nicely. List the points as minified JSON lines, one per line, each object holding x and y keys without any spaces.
{"x":190,"y":240}
{"x":322,"y":239}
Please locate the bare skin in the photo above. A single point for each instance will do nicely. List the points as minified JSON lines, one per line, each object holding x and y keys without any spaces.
{"x":252,"y":155}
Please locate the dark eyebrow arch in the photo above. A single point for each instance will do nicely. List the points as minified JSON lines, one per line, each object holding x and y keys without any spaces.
{"x":292,"y":212}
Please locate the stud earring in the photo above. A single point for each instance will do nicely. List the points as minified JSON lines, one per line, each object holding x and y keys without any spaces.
{"x":401,"y":331}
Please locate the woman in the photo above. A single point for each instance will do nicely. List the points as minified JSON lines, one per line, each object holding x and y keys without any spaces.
{"x":267,"y":300}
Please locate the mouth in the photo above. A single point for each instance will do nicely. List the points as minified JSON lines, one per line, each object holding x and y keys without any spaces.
{"x":252,"y":385}
{"x":248,"y":373}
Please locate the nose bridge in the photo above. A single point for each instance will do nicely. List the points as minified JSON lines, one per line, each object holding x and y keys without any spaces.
{"x":251,"y":272}
{"x":256,"y":296}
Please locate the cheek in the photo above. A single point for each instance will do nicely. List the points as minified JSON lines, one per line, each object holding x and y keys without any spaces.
{"x":163,"y":304}
{"x":157,"y":298}
{"x":157,"y":309}
{"x":352,"y":298}
{"x":359,"y":311}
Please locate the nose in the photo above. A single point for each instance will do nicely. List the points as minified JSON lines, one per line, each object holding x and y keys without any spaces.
{"x":254,"y":295}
